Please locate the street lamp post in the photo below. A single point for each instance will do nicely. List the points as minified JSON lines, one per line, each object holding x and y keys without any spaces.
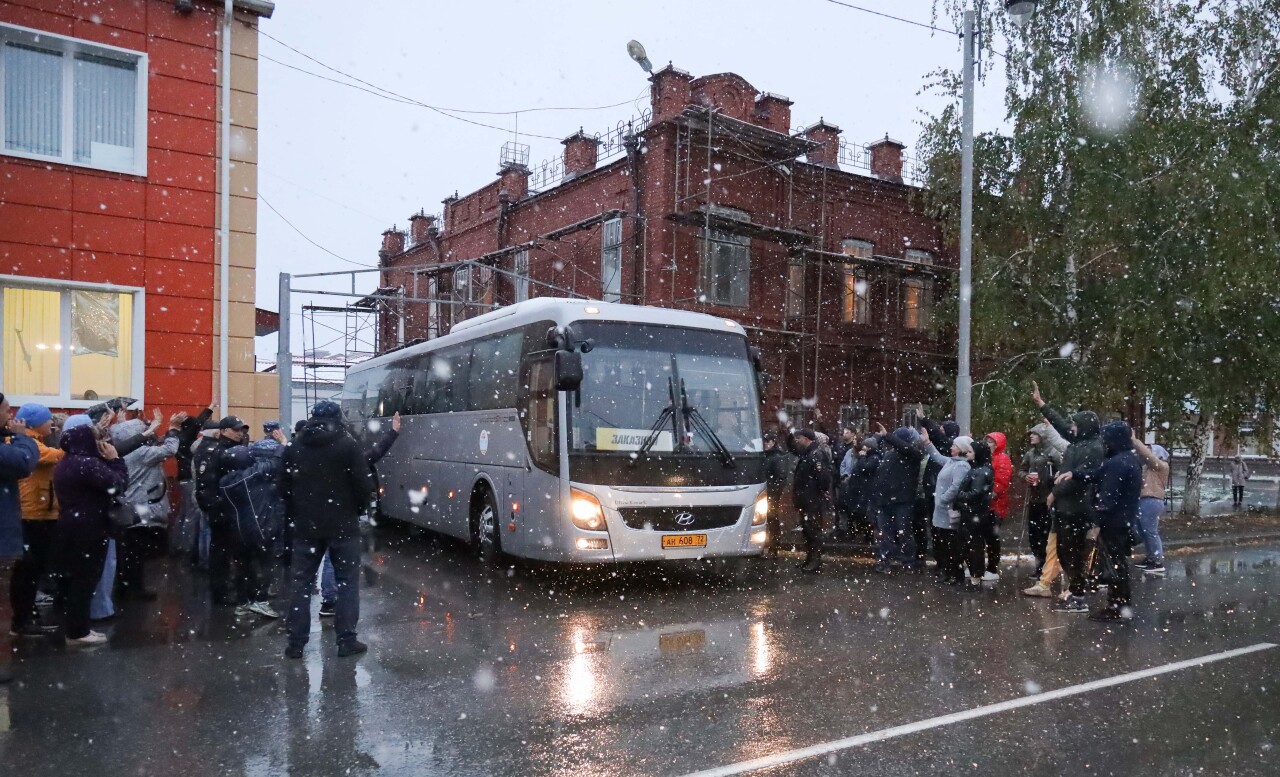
{"x":1019,"y":10}
{"x":964,"y":381}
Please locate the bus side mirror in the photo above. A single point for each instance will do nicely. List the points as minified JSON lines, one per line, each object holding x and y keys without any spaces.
{"x":568,"y":371}
{"x":757,"y":363}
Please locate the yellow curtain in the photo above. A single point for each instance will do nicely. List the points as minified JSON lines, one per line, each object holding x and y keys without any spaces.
{"x":32,"y":342}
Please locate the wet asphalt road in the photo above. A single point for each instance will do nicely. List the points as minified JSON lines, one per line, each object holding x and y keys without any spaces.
{"x":662,"y":671}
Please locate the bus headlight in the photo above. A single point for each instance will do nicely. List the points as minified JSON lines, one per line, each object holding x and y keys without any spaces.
{"x":586,"y":511}
{"x":762,"y":511}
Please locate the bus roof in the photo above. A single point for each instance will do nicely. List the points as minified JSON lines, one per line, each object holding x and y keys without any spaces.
{"x":562,"y":311}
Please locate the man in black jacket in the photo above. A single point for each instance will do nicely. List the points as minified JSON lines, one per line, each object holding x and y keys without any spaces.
{"x":1073,"y":499}
{"x":809,"y":490}
{"x":894,"y":495}
{"x":328,"y":484}
{"x":207,"y":468}
{"x":775,"y":473}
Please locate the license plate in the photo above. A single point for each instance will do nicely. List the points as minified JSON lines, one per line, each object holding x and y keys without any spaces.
{"x":684,"y":541}
{"x":682,"y":641}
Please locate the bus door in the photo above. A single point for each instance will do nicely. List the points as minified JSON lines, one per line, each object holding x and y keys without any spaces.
{"x":540,"y":527}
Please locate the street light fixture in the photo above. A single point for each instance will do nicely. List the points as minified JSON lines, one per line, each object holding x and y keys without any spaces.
{"x":636,"y":51}
{"x":1020,"y":11}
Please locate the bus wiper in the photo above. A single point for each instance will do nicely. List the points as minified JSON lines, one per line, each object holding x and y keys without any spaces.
{"x":694,"y":418}
{"x":668,"y":414}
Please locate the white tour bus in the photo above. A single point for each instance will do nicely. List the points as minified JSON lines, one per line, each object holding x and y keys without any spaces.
{"x":574,"y":430}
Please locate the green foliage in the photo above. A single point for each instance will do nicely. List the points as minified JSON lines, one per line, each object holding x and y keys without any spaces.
{"x":1143,"y":151}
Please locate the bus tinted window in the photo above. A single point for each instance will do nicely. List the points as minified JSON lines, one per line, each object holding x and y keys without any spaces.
{"x":494,"y":363}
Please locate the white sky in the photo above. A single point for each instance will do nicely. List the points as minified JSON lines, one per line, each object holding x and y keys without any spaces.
{"x":343,"y":165}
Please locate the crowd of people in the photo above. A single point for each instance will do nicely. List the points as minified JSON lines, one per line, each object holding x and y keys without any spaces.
{"x":84,"y":499}
{"x":1093,"y":492}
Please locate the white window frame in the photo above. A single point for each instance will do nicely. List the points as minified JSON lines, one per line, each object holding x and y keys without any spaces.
{"x":916,"y":256}
{"x":137,"y":371}
{"x":520,"y":266}
{"x":858,"y":309}
{"x":69,"y":47}
{"x":611,"y":246}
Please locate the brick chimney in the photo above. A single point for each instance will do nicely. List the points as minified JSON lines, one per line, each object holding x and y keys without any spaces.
{"x":514,"y":182}
{"x":669,"y":92}
{"x":420,"y":225}
{"x":886,"y":159}
{"x":773,"y":111}
{"x":579,"y":154}
{"x":447,"y":214}
{"x":828,"y":137}
{"x":392,"y":244}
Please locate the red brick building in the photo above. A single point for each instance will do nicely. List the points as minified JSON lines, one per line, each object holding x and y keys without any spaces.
{"x":110,"y":206}
{"x":711,"y":203}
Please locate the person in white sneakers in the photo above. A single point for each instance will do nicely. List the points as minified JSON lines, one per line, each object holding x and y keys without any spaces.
{"x":84,"y":483}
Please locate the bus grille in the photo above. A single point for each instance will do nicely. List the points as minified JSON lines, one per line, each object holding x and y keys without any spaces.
{"x":665,"y":518}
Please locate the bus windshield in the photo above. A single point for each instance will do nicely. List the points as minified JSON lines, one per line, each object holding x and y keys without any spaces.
{"x":627,"y":380}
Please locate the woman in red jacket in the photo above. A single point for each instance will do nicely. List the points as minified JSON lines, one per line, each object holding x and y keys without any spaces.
{"x":1002,"y":465}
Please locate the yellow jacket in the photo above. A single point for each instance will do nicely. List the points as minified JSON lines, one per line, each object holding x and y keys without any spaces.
{"x":36,"y":490}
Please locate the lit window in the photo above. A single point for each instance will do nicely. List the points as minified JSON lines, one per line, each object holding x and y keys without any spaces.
{"x":726,"y":268}
{"x":71,"y":101}
{"x":855,"y":301}
{"x":917,"y":296}
{"x":522,"y":275}
{"x":70,"y":347}
{"x":611,"y":261}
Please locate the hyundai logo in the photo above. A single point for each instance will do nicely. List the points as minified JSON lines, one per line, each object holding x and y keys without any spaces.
{"x":684,"y":519}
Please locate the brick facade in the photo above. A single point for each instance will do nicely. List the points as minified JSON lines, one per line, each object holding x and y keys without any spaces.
{"x":158,"y":231}
{"x":716,"y":154}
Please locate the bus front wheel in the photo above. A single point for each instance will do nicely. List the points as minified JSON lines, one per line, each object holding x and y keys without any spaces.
{"x":484,"y":527}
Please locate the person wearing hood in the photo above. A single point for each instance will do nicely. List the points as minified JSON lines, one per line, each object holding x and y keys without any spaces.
{"x":940,"y":436}
{"x":856,"y":489}
{"x":946,"y":516}
{"x":1155,"y":484}
{"x":1002,"y":467}
{"x":250,"y":487}
{"x":147,"y":491}
{"x":39,"y":524}
{"x":1239,"y":479}
{"x":85,"y":483}
{"x":327,"y":485}
{"x":1072,"y":499}
{"x":1117,"y":493}
{"x":19,"y":457}
{"x":973,"y":502}
{"x":811,"y":487}
{"x":775,"y":484}
{"x":894,"y":495}
{"x":1038,"y":469}
{"x":206,"y":463}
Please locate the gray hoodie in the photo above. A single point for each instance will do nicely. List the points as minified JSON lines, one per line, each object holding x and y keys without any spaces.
{"x":954,"y":468}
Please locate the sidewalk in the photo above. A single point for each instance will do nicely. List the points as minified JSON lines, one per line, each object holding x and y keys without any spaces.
{"x":1176,"y":531}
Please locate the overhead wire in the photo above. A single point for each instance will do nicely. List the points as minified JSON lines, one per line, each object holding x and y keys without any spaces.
{"x":307,"y":238}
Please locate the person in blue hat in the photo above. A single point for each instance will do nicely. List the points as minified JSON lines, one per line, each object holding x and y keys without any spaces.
{"x":18,"y":458}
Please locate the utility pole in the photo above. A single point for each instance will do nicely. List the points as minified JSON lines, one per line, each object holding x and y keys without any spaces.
{"x":284,"y":357}
{"x":964,"y":381}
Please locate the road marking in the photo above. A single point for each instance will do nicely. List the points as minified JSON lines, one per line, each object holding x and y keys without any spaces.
{"x":826,"y":748}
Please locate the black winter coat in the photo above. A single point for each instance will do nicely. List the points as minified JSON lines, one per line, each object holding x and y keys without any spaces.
{"x":1118,"y":482}
{"x":1084,"y":452}
{"x":978,"y":487}
{"x":775,"y":473}
{"x":328,"y":482}
{"x":857,"y":489}
{"x":812,"y":483}
{"x":898,"y":476}
{"x":187,"y":434}
{"x":207,"y":466}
